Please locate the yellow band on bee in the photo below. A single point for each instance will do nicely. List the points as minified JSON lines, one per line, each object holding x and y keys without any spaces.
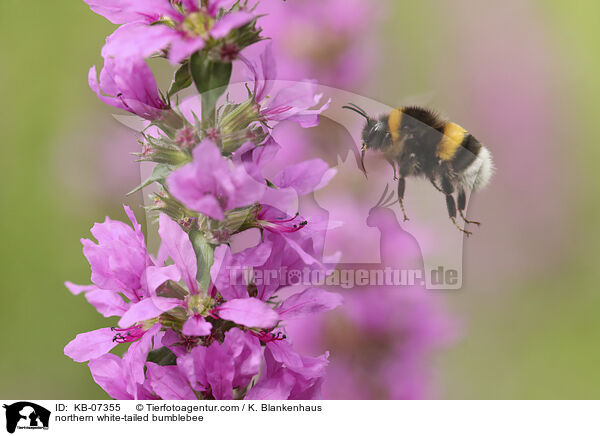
{"x":453,"y":137}
{"x":394,"y":123}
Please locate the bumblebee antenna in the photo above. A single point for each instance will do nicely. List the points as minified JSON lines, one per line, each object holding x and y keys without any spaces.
{"x":356,"y":109}
{"x":363,"y":150}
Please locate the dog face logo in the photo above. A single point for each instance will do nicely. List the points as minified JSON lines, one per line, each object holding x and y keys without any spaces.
{"x":26,"y":415}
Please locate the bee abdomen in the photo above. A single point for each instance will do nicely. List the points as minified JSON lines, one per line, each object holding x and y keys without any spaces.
{"x":467,"y":153}
{"x":453,"y":137}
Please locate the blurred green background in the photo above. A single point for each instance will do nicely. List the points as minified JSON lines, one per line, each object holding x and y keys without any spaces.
{"x":522,"y":74}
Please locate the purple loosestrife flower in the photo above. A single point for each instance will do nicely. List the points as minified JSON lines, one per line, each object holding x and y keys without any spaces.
{"x":292,"y":102}
{"x":113,"y":374}
{"x":176,"y":243}
{"x":128,"y":84}
{"x":193,"y":330}
{"x":210,"y":185}
{"x":180,"y":27}
{"x":381,"y":343}
{"x":218,"y":368}
{"x":329,"y":40}
{"x":382,"y":339}
{"x":289,"y":375}
{"x":120,"y":265}
{"x":217,"y":338}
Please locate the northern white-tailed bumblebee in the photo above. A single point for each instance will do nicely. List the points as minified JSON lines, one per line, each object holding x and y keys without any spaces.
{"x":418,"y":142}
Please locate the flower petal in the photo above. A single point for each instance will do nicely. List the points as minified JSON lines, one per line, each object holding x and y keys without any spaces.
{"x":182,"y":48}
{"x":138,"y":41}
{"x":108,"y":374}
{"x":246,"y":353}
{"x":229,"y":22}
{"x":196,"y":326}
{"x":78,"y":289}
{"x":91,"y":345}
{"x":134,"y":222}
{"x":147,"y":309}
{"x":135,"y":358}
{"x":158,"y":275}
{"x":180,"y":249}
{"x":107,"y":303}
{"x":168,"y":383}
{"x":308,"y":302}
{"x":249,"y":312}
{"x":305,"y":177}
{"x":126,"y":11}
{"x":277,"y":387}
{"x":219,"y":371}
{"x":284,"y":353}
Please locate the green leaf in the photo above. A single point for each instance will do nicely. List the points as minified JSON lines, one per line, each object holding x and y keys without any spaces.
{"x":161,"y":171}
{"x":181,"y":80}
{"x":205,"y":254}
{"x":211,"y":79}
{"x":163,"y":357}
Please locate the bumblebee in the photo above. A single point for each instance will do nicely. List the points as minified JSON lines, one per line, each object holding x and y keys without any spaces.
{"x":417,"y":142}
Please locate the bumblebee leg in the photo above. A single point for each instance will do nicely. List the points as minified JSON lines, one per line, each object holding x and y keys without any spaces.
{"x":392,"y":162}
{"x":462,"y":203}
{"x":451,"y":204}
{"x":435,"y":185}
{"x":401,"y":188}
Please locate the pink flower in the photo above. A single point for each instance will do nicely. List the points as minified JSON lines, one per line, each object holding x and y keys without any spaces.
{"x":110,"y":372}
{"x":215,"y":370}
{"x":210,"y":186}
{"x":125,"y":280}
{"x":128,"y":84}
{"x":327,"y":40}
{"x":289,"y":375}
{"x":292,"y":102}
{"x":182,"y":28}
{"x":188,"y":337}
{"x":398,"y":330}
{"x":119,"y":258}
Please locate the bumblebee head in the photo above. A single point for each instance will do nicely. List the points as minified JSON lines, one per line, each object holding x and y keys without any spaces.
{"x":375,"y":134}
